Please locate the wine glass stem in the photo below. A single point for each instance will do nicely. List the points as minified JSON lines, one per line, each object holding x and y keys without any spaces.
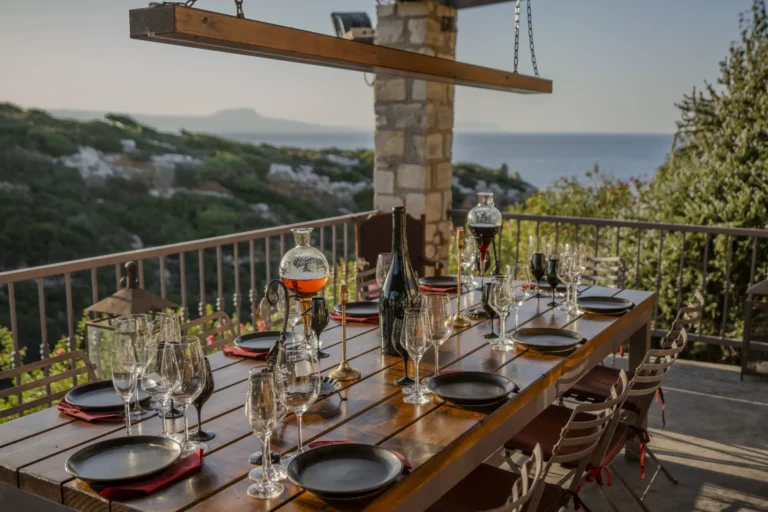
{"x":163,"y":407}
{"x":127,"y":415}
{"x":517,"y":310}
{"x":186,"y":424}
{"x":503,"y":333}
{"x":437,"y":363}
{"x":417,"y":386}
{"x":300,"y":449}
{"x":199,"y":421}
{"x":501,"y":326}
{"x":266,"y":457}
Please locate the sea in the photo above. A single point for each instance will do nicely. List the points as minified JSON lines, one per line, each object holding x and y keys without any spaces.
{"x":540,"y":159}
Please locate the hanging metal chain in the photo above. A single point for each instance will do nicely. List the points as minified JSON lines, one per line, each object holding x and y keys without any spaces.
{"x":241,"y":14}
{"x":530,"y":40}
{"x":517,"y":32}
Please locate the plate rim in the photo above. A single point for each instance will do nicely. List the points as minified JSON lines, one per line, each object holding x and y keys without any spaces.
{"x":104,"y":408}
{"x":262,"y":334}
{"x":337,"y":307}
{"x":118,"y":440}
{"x":427,"y":280}
{"x":627,"y":304}
{"x":332,"y":447}
{"x":479,"y":401}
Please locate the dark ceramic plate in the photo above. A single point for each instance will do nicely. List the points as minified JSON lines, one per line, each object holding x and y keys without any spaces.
{"x":548,"y":340}
{"x":101,"y":396}
{"x":471,"y":388}
{"x":123,"y":459}
{"x":345,"y":470}
{"x":260,"y":341}
{"x":605,"y":305}
{"x":360,"y":309}
{"x":440,"y":281}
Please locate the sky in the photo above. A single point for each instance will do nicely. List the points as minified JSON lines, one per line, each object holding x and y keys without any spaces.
{"x":617,"y":66}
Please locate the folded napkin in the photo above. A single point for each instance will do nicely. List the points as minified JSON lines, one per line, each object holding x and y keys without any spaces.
{"x":182,"y":468}
{"x":437,"y":289}
{"x":239,"y":352}
{"x":317,"y":444}
{"x":358,"y":319}
{"x":76,"y":412}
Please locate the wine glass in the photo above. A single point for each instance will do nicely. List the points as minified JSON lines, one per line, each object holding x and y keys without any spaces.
{"x":382,"y":267}
{"x":320,"y":319}
{"x":553,"y":263}
{"x":125,"y":372}
{"x":397,"y":342}
{"x":274,"y":469}
{"x":577,"y":268}
{"x":135,"y":330}
{"x":262,"y":409}
{"x":200,"y":436}
{"x":165,"y":327}
{"x":521,"y":287}
{"x":184,"y":374}
{"x":501,"y":302}
{"x":468,"y":262}
{"x":302,"y":385}
{"x":538,"y":262}
{"x":416,"y":340}
{"x":564,"y":275}
{"x":485,"y":301}
{"x":439,"y":317}
{"x":152,"y":381}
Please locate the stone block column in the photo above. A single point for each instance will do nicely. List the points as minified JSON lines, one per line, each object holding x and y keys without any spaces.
{"x":414,"y":121}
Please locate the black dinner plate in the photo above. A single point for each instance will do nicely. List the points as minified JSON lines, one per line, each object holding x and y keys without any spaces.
{"x":345,"y":470}
{"x":260,"y":341}
{"x":360,"y":309}
{"x":101,"y":396}
{"x":547,"y":340}
{"x":603,"y":304}
{"x":471,"y":388}
{"x":123,"y":459}
{"x":440,"y":281}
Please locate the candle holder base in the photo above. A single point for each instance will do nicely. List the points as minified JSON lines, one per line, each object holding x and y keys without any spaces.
{"x":344,"y":372}
{"x":460,"y":322}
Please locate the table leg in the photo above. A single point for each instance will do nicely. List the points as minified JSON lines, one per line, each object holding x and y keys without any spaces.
{"x":639,"y":345}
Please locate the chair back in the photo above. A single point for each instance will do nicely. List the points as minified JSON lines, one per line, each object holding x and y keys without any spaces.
{"x":373,"y":236}
{"x":605,"y":271}
{"x":526,"y":491}
{"x":217,"y":330}
{"x":687,"y":318}
{"x":582,"y":435}
{"x":73,"y":358}
{"x":366,"y":286}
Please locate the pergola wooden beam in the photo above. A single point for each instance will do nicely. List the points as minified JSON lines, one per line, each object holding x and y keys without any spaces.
{"x":185,"y":26}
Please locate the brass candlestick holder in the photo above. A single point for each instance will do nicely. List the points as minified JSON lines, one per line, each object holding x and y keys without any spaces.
{"x":344,"y":371}
{"x":459,"y":321}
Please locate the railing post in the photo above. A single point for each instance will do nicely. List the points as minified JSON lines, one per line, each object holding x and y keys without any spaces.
{"x":45,"y":350}
{"x":220,"y":280}
{"x":658,"y":276}
{"x":117,"y":276}
{"x":252,"y":291}
{"x":183,"y":280}
{"x":16,"y":356}
{"x":236,"y":297}
{"x":680,"y":276}
{"x":162,"y":277}
{"x":639,"y":251}
{"x":517,"y":244}
{"x":704,"y":275}
{"x":201,"y":263}
{"x":754,"y":261}
{"x":94,"y":288}
{"x":597,"y":241}
{"x":346,"y":254}
{"x":141,"y":274}
{"x":267,"y":255}
{"x":333,"y":260}
{"x":618,"y":239}
{"x":727,"y":285}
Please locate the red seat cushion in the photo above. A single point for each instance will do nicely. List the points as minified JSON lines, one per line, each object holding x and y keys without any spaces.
{"x":596,"y":386}
{"x":545,"y":429}
{"x":488,"y":487}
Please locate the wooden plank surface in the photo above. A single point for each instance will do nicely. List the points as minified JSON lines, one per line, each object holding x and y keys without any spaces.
{"x":437,"y":438}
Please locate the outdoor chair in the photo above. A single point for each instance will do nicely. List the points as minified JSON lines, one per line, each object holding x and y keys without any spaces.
{"x":217,"y":330}
{"x":71,"y":358}
{"x":365,"y":284}
{"x":605,"y":271}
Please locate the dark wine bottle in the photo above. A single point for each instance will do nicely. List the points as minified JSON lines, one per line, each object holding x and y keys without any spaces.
{"x":400,"y":290}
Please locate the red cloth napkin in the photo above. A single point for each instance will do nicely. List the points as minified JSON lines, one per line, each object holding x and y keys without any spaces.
{"x":358,"y":319}
{"x":182,"y":468}
{"x":76,"y":412}
{"x":317,"y":444}
{"x":437,"y":289}
{"x":239,"y":352}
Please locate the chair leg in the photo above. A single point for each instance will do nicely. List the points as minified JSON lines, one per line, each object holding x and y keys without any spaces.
{"x":507,"y":454}
{"x":607,"y":498}
{"x":613,"y":361}
{"x":661,"y":466}
{"x":629,"y":490}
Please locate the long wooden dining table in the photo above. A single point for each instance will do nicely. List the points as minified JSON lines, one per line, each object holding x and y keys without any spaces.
{"x":442,"y":442}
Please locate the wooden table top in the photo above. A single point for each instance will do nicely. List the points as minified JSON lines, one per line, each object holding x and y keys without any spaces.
{"x":441,"y":441}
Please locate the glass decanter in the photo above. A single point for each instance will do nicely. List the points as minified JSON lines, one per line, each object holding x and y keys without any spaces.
{"x":304,"y":269}
{"x":484,"y":222}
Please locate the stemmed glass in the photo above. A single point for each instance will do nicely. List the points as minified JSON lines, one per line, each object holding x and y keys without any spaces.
{"x":552,"y":275}
{"x":564,"y":274}
{"x":275,"y":471}
{"x":165,"y":327}
{"x":468,"y":262}
{"x":538,"y":262}
{"x":262,"y":408}
{"x":136,"y":329}
{"x":382,"y":267}
{"x":485,"y":301}
{"x":439,"y":323}
{"x":200,"y":435}
{"x":183,"y":374}
{"x":501,"y":302}
{"x":152,"y":381}
{"x":577,"y":268}
{"x":521,"y":287}
{"x":302,"y":386}
{"x":125,"y":372}
{"x":320,"y":319}
{"x":415,"y":338}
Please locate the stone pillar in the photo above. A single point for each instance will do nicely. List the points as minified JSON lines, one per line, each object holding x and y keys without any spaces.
{"x":414,"y":121}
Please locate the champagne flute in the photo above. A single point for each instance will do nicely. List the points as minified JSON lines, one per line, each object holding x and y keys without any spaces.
{"x":184,"y":376}
{"x":439,"y":317}
{"x":521,"y":287}
{"x":124,"y":375}
{"x":501,"y":302}
{"x":415,"y":338}
{"x":301,"y":384}
{"x":152,"y":381}
{"x":320,"y":319}
{"x":382,"y":267}
{"x":201,"y":435}
{"x":564,"y":275}
{"x":274,"y":469}
{"x":469,"y":261}
{"x":485,"y":301}
{"x":262,"y":409}
{"x":577,"y":268}
{"x":135,"y":330}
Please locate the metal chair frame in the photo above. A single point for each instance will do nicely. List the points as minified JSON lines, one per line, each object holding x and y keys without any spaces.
{"x":223,"y":334}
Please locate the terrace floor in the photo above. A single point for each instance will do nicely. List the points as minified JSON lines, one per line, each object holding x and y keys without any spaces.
{"x":715,"y":443}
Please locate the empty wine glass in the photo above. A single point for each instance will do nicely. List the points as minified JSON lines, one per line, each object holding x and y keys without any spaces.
{"x":382,"y":267}
{"x":124,"y":375}
{"x":165,"y":327}
{"x":262,"y":409}
{"x":577,"y":268}
{"x":134,"y":329}
{"x":152,"y":381}
{"x":485,"y":302}
{"x":439,"y":317}
{"x":274,"y":469}
{"x":301,"y":383}
{"x":183,"y":374}
{"x":501,"y":302}
{"x":521,"y":287}
{"x":564,"y":274}
{"x":416,"y":340}
{"x":469,"y":262}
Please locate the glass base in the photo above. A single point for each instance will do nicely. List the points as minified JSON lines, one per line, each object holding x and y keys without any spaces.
{"x":417,"y":399}
{"x":201,"y":436}
{"x":172,"y":414}
{"x":288,"y":457}
{"x":262,"y":491}
{"x":255,"y":458}
{"x":322,"y":354}
{"x":275,"y":473}
{"x":179,"y":438}
{"x":191,"y":446}
{"x":504,"y":345}
{"x":405,"y":381}
{"x":491,"y":336}
{"x":424,"y":383}
{"x":408,"y":390}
